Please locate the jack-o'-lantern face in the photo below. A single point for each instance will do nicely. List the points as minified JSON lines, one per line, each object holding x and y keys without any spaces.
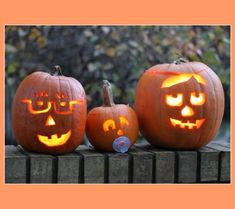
{"x":118,"y":129}
{"x":60,"y":105}
{"x":49,"y":113}
{"x":184,"y":105}
{"x":112,"y":128}
{"x":179,"y":105}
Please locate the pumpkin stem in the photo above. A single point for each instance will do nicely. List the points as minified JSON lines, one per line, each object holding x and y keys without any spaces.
{"x":180,"y":61}
{"x":58,"y":70}
{"x":107,"y":94}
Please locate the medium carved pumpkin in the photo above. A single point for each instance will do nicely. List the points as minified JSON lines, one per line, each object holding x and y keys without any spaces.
{"x":49,"y":113}
{"x":179,"y":105}
{"x":112,"y":127}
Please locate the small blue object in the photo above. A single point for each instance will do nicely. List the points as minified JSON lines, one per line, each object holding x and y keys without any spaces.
{"x":121,"y":144}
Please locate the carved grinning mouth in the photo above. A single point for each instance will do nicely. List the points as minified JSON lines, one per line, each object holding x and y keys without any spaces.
{"x":188,"y":124}
{"x":54,"y":140}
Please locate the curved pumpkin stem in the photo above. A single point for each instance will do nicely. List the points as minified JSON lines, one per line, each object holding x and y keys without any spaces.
{"x":180,"y":61}
{"x":58,"y":70}
{"x":107,"y":94}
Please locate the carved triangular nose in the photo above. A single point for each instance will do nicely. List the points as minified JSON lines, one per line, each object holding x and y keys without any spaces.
{"x":120,"y":132}
{"x":50,"y":121}
{"x":187,"y":111}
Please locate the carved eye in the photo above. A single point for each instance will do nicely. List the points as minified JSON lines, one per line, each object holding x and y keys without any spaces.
{"x":197,"y":100}
{"x":123,"y":121}
{"x":109,"y":124}
{"x":40,"y":103}
{"x":63,"y":104}
{"x":174,"y":101}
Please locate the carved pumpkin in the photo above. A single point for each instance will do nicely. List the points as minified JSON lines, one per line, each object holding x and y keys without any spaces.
{"x":112,"y":127}
{"x":179,"y":105}
{"x":49,"y":113}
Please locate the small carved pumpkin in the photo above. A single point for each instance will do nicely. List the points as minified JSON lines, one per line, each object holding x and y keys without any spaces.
{"x":111,"y":127}
{"x":179,"y":105}
{"x":49,"y":113}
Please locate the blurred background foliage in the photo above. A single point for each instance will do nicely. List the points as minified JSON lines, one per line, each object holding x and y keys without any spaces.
{"x":119,"y":54}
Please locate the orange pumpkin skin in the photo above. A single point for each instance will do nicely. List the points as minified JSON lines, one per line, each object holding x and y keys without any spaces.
{"x":49,"y":113}
{"x":179,"y":105}
{"x":99,"y":131}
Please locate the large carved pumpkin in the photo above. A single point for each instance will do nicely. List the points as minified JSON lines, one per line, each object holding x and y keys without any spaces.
{"x":112,"y":127}
{"x":49,"y":113}
{"x":179,"y":105}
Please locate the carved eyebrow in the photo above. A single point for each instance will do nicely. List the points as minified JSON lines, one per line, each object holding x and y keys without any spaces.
{"x":58,"y":95}
{"x":173,"y":80}
{"x":61,"y":95}
{"x":155,"y":72}
{"x":40,"y":94}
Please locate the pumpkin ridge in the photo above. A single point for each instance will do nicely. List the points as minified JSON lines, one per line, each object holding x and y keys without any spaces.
{"x":217,"y":112}
{"x":202,"y":110}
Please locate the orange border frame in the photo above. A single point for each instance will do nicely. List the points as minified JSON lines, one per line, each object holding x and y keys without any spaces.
{"x":123,"y":13}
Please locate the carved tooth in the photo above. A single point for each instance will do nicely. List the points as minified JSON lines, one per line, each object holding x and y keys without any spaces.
{"x":173,"y":122}
{"x":190,"y":126}
{"x":54,"y":136}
